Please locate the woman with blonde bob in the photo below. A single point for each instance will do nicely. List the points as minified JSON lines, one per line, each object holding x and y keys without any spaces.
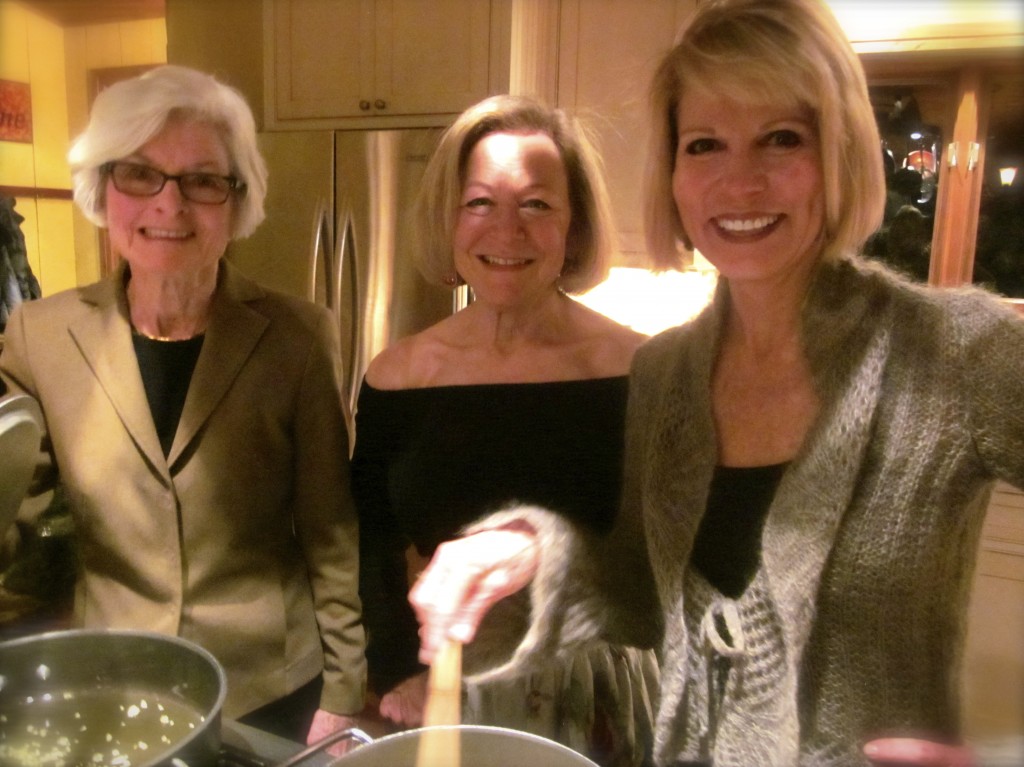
{"x":808,"y":461}
{"x":589,"y":240}
{"x":519,"y":397}
{"x":194,"y":418}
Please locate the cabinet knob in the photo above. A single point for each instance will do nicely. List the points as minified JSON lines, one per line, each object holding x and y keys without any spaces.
{"x":380,"y":104}
{"x":364,"y":105}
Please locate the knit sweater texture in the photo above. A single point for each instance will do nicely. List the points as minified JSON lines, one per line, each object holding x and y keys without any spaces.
{"x":854,"y":624}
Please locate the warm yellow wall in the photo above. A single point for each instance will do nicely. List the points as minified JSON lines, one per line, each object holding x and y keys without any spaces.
{"x":48,"y":227}
{"x":62,"y":246}
{"x":107,"y":45}
{"x":100,"y":46}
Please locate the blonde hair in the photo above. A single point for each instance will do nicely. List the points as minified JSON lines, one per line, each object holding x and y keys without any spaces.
{"x":588,"y":244}
{"x":787,"y":51}
{"x":126,"y":115}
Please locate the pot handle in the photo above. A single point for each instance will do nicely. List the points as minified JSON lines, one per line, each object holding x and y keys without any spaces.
{"x":352,"y":733}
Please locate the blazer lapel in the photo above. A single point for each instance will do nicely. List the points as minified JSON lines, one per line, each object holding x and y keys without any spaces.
{"x":105,"y":340}
{"x":231,"y":337}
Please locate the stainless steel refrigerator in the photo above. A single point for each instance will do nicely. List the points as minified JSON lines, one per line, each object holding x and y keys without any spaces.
{"x":337,"y":233}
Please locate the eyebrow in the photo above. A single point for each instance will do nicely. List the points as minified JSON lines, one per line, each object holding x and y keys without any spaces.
{"x":204,"y":166}
{"x":491,"y":187}
{"x":782,"y":122}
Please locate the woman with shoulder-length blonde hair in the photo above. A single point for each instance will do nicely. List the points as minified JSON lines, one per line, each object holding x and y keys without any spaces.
{"x":519,"y":398}
{"x":589,"y":239}
{"x":808,"y":461}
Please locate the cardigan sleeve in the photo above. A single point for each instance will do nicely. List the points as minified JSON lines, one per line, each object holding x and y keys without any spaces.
{"x":993,"y":381}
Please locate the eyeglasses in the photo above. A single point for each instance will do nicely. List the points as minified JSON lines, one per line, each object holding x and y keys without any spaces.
{"x":143,"y":181}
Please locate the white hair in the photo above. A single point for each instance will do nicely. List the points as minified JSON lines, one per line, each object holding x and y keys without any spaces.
{"x":126,"y":115}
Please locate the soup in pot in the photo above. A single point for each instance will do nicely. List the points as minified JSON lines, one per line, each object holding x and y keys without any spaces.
{"x":105,"y":727}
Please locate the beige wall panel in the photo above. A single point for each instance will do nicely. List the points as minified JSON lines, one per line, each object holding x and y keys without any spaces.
{"x":56,"y":247}
{"x":87,"y":254}
{"x":13,"y":42}
{"x":143,"y":42}
{"x":77,"y":89}
{"x":49,"y":105}
{"x":103,"y":45}
{"x":17,"y":164}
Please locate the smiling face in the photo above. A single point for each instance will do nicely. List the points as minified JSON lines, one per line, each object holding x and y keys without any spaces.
{"x":748,"y":186}
{"x":167,"y":235}
{"x":513,"y":219}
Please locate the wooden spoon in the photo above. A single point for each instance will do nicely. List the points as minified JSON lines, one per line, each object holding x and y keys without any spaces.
{"x":440,"y":747}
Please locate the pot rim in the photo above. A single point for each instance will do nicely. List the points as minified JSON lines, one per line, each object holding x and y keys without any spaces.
{"x":212,"y":713}
{"x":475,"y":728}
{"x":185,"y":644}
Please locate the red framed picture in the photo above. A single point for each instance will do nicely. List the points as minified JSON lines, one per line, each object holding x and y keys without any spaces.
{"x":15,"y":112}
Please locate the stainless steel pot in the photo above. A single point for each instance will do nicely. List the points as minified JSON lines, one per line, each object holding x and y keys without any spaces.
{"x":114,"y":698}
{"x":480,"y":747}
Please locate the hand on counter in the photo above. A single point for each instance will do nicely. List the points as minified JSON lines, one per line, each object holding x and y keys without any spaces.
{"x":326,"y":723}
{"x":915,"y":752}
{"x":404,"y":704}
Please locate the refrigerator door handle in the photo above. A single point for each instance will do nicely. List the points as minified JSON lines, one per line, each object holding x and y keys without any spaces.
{"x":347,"y":272}
{"x":321,"y":267}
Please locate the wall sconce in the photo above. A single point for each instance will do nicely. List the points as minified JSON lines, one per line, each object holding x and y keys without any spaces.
{"x":1007,"y":175}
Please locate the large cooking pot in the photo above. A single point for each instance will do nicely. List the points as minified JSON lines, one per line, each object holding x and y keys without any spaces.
{"x":111,"y":698}
{"x":480,"y":746}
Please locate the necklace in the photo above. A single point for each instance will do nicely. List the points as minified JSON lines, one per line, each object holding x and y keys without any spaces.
{"x":164,"y":339}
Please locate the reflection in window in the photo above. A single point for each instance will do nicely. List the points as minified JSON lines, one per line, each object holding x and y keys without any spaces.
{"x":911,"y":147}
{"x":999,"y":258}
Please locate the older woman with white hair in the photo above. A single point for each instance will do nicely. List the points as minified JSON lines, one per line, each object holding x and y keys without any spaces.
{"x":195,"y":418}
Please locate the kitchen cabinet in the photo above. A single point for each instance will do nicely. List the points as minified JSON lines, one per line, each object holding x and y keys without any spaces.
{"x":381,"y":63}
{"x":604,"y":71}
{"x":607,"y":52}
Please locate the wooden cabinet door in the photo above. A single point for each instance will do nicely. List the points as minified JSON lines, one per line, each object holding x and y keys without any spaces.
{"x":432,"y":57}
{"x":378,"y":63}
{"x":323,"y":57}
{"x":607,"y":53}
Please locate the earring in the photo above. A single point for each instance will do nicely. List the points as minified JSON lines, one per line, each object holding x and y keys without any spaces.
{"x":685,"y":239}
{"x":451,"y":280}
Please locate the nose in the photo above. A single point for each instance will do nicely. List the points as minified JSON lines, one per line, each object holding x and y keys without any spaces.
{"x":507,"y":221}
{"x":170,"y":196}
{"x":744,"y":172}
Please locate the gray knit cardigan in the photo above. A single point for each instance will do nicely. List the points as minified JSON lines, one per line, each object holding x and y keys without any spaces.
{"x":854,"y":624}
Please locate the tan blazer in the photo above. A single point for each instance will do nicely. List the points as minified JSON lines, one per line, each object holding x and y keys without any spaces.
{"x":244,"y":538}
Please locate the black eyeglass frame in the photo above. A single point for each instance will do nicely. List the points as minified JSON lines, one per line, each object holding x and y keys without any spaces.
{"x":234,"y":184}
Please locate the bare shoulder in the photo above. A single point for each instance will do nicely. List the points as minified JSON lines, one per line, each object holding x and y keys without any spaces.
{"x":611,"y":345}
{"x":409,"y":362}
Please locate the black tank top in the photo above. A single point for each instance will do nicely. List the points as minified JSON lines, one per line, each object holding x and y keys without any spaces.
{"x":727,"y":550}
{"x":166,"y":368}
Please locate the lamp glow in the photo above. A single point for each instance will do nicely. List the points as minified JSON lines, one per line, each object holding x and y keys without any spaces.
{"x":1007,"y":175}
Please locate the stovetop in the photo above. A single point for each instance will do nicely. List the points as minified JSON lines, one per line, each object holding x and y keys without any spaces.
{"x":244,"y":746}
{"x":231,"y":756}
